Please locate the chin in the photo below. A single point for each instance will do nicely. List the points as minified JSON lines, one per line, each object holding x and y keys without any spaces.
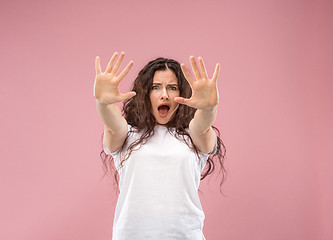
{"x":164,"y":122}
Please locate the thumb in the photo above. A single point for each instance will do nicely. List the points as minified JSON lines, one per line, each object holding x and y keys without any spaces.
{"x":182,"y":100}
{"x":128,"y":95}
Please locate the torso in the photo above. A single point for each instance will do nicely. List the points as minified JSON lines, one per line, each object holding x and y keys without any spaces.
{"x":158,"y":190}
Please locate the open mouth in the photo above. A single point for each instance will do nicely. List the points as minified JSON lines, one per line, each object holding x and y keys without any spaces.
{"x":163,"y":110}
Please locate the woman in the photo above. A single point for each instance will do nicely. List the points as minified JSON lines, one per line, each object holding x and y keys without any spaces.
{"x":160,"y":146}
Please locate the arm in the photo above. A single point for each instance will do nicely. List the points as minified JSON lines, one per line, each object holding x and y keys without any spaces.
{"x":201,"y":132}
{"x":115,"y":126}
{"x":205,"y":99}
{"x":107,"y":94}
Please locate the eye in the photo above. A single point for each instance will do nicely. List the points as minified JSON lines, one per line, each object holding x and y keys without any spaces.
{"x":154,"y":87}
{"x":173,"y":88}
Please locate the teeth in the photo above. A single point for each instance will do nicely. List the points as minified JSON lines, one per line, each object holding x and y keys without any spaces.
{"x":163,"y":106}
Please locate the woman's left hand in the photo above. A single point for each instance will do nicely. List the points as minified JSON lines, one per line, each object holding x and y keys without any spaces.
{"x":205,"y":94}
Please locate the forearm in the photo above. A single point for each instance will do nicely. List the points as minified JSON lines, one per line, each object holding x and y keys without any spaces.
{"x":111,"y":117}
{"x":203,"y":120}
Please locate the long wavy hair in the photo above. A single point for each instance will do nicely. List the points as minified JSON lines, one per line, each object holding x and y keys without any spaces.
{"x":138,"y":113}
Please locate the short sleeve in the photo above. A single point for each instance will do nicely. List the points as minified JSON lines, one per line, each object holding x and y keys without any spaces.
{"x":204,"y":156}
{"x":107,"y":151}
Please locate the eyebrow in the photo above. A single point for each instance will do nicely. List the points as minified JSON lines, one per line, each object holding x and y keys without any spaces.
{"x":171,"y":84}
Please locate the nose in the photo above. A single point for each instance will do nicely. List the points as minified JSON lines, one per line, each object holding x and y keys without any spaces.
{"x":165,"y":95}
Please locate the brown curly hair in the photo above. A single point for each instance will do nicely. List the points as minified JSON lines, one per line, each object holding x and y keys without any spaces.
{"x":138,"y":113}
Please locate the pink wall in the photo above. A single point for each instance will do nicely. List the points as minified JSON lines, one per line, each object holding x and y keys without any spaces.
{"x":275,"y":113}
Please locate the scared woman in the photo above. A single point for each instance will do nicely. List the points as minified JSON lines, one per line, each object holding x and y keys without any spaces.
{"x":162,"y":145}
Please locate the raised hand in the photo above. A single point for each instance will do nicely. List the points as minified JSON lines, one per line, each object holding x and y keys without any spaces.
{"x":204,"y":90}
{"x":106,"y":83}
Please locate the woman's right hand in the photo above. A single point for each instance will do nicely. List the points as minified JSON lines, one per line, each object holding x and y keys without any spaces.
{"x":106,"y":83}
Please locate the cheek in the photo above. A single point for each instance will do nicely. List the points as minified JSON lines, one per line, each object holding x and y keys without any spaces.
{"x":174,"y":94}
{"x":176,"y":105}
{"x":152,"y":98}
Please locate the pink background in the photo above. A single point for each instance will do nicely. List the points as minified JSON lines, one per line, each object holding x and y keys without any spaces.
{"x":275,"y":113}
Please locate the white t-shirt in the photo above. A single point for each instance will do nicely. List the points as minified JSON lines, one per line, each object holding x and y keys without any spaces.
{"x":159,"y":190}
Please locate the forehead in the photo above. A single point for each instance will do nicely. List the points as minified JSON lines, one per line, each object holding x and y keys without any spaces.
{"x":165,"y":76}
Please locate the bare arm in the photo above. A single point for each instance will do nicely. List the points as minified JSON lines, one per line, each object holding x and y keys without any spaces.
{"x":115,"y":130}
{"x":205,"y":99}
{"x":106,"y":94}
{"x":201,"y":131}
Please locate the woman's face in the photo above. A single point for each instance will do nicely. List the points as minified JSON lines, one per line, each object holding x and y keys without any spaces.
{"x":162,"y":94}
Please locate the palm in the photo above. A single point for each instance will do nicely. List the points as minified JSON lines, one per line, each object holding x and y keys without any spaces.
{"x":204,"y":94}
{"x":106,"y":88}
{"x":204,"y":90}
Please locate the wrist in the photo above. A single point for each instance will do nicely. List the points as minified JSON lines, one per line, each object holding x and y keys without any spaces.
{"x":101,"y":103}
{"x":209,"y":109}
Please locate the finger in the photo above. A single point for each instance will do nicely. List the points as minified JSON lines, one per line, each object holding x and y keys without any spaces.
{"x":125,"y":71}
{"x":179,"y":100}
{"x":187,"y":74}
{"x":195,"y":68}
{"x":202,"y":68}
{"x":118,"y":63}
{"x":216,"y":72}
{"x":127,"y":95}
{"x":111,"y":62}
{"x":185,"y":101}
{"x":98,"y":65}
